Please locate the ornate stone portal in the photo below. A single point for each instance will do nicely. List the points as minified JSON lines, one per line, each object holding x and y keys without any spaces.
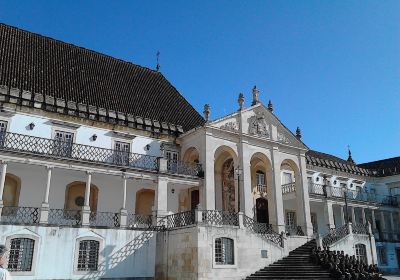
{"x":228,"y":186}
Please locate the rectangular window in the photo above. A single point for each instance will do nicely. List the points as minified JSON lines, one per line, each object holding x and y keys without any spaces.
{"x":260,"y":178}
{"x":224,"y":251}
{"x":88,"y":257}
{"x":172,"y":158}
{"x":63,"y":143}
{"x":286,"y":178}
{"x":291,"y":219}
{"x":122,"y":150}
{"x":21,"y":254}
{"x":3,"y":126}
{"x":382,"y":256}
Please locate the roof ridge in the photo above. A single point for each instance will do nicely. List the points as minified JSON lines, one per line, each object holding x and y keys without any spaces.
{"x":80,"y":47}
{"x":380,"y":160}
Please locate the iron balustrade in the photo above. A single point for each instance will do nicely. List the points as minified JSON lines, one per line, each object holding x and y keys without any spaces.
{"x":217,"y":217}
{"x":294,"y":230}
{"x":360,"y":228}
{"x":65,"y":217}
{"x":184,"y":168}
{"x":181,"y":219}
{"x":288,"y":188}
{"x":334,"y":235}
{"x":139,"y":221}
{"x":15,"y":142}
{"x":263,"y":229}
{"x":104,"y":219}
{"x":318,"y":189}
{"x":20,"y":215}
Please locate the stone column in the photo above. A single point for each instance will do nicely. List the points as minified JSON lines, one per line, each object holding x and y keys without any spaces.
{"x":86,"y":207}
{"x":303,"y":199}
{"x":2,"y":182}
{"x":162,"y":197}
{"x":208,"y":165}
{"x":373,"y":219}
{"x":363,"y":217}
{"x":353,"y":215}
{"x":246,"y":203}
{"x":342,"y":215}
{"x":393,"y":232}
{"x":44,"y":211}
{"x":328,"y":213}
{"x":275,"y":207}
{"x":123,"y":211}
{"x":383,"y":226}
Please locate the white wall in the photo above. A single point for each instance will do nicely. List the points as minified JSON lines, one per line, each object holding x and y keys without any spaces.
{"x":124,"y":253}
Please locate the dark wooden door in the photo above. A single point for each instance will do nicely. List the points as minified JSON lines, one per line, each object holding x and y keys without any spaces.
{"x":262,"y":210}
{"x":194,"y":199}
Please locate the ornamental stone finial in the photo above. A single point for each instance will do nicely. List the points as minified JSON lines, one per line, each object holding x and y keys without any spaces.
{"x":298,"y":133}
{"x":270,"y":106}
{"x":350,"y":158}
{"x":206,"y":112}
{"x":256,"y":95}
{"x":241,"y":101}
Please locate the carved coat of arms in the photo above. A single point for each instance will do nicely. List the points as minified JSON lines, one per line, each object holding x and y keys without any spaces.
{"x":259,"y":126}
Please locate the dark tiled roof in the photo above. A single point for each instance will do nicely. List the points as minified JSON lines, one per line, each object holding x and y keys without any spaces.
{"x":39,"y":64}
{"x":329,"y":161}
{"x":384,"y":167}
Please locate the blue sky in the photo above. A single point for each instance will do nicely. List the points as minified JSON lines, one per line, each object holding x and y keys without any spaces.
{"x":330,"y":67}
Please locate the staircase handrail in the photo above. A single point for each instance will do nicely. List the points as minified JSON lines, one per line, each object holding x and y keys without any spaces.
{"x":263,"y":229}
{"x":335,"y":234}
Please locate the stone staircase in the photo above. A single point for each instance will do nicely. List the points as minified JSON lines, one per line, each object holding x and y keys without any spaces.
{"x":295,"y":266}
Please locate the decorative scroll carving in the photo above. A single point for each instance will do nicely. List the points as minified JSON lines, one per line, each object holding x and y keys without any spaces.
{"x":258,"y":125}
{"x":231,"y":126}
{"x":282,"y":138}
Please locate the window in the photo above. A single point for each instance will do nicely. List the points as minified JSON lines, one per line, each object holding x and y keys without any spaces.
{"x":224,"y":251}
{"x":172,"y":158}
{"x":291,"y":219}
{"x":286,"y":178}
{"x":88,"y":255}
{"x":122,"y":150}
{"x":382,"y":257}
{"x":63,"y":143}
{"x":3,"y":130}
{"x":314,"y":222}
{"x":21,"y":254}
{"x":260,"y":178}
{"x":361,"y":253}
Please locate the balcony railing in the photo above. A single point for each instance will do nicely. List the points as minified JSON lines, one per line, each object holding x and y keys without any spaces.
{"x":265,"y":230}
{"x":104,"y":219}
{"x":20,"y":215}
{"x":65,"y":217}
{"x":181,"y":219}
{"x":185,"y":168}
{"x":294,"y":230}
{"x":335,"y":234}
{"x":336,"y":192}
{"x":262,"y":189}
{"x":386,"y":236}
{"x":216,"y":217}
{"x":288,"y":188}
{"x":15,"y":142}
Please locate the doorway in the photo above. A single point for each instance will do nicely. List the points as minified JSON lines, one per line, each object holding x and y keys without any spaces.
{"x":262,"y":210}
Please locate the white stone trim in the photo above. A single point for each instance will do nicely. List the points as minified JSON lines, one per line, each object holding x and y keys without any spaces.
{"x":88,"y":236}
{"x":235,"y":256}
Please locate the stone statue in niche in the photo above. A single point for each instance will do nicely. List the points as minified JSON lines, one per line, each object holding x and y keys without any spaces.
{"x":259,"y":126}
{"x":282,"y":138}
{"x":228,"y":186}
{"x":231,"y":126}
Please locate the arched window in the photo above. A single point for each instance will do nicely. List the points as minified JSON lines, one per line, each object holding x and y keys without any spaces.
{"x":21,"y":254}
{"x":224,"y":251}
{"x":361,"y":253}
{"x":88,"y":255}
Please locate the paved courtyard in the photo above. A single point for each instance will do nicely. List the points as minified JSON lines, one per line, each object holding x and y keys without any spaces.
{"x":392,"y":277}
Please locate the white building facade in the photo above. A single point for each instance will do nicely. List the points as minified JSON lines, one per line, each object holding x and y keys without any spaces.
{"x":89,"y":192}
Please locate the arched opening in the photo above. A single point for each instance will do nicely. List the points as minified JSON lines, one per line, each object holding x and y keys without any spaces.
{"x":225,"y":184}
{"x":262,"y":210}
{"x":261,"y":180}
{"x":75,"y":196}
{"x":144,"y":202}
{"x":12,"y":188}
{"x":191,"y":155}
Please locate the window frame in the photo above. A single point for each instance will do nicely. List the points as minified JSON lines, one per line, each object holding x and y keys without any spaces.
{"x":114,"y":142}
{"x":357,"y":252}
{"x":76,"y":254}
{"x":235,"y":259}
{"x":36,"y":240}
{"x":379,"y":250}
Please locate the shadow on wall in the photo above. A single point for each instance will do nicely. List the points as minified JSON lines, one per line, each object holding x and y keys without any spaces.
{"x":122,"y":260}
